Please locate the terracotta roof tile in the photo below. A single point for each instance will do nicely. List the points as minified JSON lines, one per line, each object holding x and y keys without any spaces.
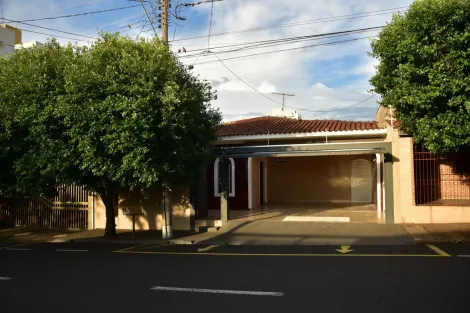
{"x":281,"y":125}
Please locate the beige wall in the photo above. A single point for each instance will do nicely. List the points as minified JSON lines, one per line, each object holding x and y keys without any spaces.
{"x":318,"y":178}
{"x":16,"y":32}
{"x":405,"y":209}
{"x":7,"y":37}
{"x":151,"y":207}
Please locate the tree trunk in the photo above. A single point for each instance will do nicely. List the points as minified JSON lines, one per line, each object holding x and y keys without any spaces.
{"x":108,"y":200}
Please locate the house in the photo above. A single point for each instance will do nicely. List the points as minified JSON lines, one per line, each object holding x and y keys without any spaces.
{"x":295,"y":164}
{"x":309,"y":170}
{"x":291,"y":163}
{"x":9,"y":37}
{"x":11,"y":40}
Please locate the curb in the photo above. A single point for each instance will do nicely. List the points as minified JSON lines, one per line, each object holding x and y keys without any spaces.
{"x":155,"y":242}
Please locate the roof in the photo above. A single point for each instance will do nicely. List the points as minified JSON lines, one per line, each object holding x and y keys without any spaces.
{"x":281,"y":125}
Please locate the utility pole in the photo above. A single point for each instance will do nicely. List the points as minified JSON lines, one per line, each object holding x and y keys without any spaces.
{"x":283,"y":94}
{"x":167,"y":229}
{"x":165,"y":5}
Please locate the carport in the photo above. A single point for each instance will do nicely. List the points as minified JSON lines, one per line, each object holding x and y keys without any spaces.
{"x":322,"y":180}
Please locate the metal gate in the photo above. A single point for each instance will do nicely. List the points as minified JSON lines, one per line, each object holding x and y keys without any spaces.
{"x":426,"y":175}
{"x":69,"y":209}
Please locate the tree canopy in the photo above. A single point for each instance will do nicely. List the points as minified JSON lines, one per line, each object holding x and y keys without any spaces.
{"x":424,"y":72}
{"x":118,"y":114}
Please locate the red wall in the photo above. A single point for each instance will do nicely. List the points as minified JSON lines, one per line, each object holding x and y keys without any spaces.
{"x":240,"y":201}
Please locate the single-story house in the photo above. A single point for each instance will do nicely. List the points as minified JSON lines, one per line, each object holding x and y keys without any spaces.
{"x":294,"y":165}
{"x":291,"y":162}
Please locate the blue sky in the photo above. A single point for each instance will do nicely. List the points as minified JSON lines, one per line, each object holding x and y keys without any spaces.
{"x":323,"y":78}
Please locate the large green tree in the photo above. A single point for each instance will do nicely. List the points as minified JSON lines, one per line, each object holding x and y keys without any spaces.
{"x":118,"y":114}
{"x":424,"y":72}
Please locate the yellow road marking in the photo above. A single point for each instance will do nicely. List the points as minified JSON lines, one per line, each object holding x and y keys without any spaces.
{"x":207,"y":248}
{"x":439,"y":251}
{"x":276,"y":254}
{"x":132,"y":247}
{"x":344,"y":249}
{"x":149,"y":245}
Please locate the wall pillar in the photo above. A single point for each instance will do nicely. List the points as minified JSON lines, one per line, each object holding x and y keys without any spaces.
{"x":167,"y":230}
{"x":224,"y":209}
{"x":91,"y":210}
{"x":250,"y":183}
{"x":378,"y":158}
{"x":388,"y":186}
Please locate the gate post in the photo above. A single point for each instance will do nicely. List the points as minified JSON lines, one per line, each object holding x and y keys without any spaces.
{"x":91,"y":211}
{"x":388,"y":186}
{"x":224,"y":175}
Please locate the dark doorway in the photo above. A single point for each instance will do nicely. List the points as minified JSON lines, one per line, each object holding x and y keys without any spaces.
{"x":261,"y":183}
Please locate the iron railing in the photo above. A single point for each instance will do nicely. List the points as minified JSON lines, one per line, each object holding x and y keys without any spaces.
{"x":440,"y":179}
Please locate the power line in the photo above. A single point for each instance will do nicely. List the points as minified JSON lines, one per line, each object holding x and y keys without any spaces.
{"x":77,"y":14}
{"x":210,"y":26}
{"x":274,"y":42}
{"x":103,"y":26}
{"x":246,"y":82}
{"x":65,"y":32}
{"x":148,"y":17}
{"x":253,"y":74}
{"x":52,"y":29}
{"x":322,"y":20}
{"x":307,"y":110}
{"x":125,"y":26}
{"x":291,"y":49}
{"x":333,"y":110}
{"x":75,"y":5}
{"x":52,"y":35}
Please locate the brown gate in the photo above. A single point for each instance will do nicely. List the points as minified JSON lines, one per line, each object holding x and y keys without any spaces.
{"x":426,"y":175}
{"x":69,"y":209}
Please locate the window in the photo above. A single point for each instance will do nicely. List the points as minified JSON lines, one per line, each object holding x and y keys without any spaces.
{"x":218,"y":181}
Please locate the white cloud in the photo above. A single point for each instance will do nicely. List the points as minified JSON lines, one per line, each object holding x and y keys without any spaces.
{"x":314,"y":70}
{"x":322,"y":78}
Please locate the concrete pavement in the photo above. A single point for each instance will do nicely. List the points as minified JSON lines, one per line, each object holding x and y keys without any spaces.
{"x":87,"y":277}
{"x":256,"y":230}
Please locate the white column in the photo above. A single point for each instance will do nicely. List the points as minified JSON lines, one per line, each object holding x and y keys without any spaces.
{"x":250,"y":183}
{"x":378,"y":158}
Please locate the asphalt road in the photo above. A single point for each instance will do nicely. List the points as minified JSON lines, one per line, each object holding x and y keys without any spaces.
{"x":86,"y":277}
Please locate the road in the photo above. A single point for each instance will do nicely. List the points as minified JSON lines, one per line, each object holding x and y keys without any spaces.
{"x":87,"y":277}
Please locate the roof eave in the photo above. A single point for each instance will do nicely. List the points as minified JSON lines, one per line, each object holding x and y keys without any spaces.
{"x":367,"y":133}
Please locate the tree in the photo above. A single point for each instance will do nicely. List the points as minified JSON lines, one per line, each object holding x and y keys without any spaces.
{"x":118,"y":114}
{"x":424,"y":72}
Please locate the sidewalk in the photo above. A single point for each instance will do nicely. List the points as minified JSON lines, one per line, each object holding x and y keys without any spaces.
{"x":440,"y":233}
{"x":123,"y":236}
{"x":263,"y":232}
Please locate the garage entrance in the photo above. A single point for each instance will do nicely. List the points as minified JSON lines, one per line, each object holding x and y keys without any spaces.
{"x":337,"y":188}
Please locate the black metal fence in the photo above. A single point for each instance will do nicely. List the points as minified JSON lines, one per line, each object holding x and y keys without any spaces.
{"x":441,"y":179}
